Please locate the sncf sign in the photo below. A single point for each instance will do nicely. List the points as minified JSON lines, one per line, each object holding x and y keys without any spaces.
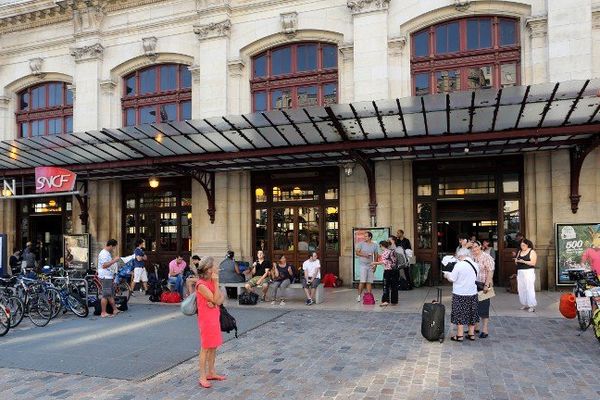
{"x":52,"y":179}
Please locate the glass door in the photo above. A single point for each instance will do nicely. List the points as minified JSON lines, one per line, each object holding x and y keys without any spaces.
{"x":296,"y":233}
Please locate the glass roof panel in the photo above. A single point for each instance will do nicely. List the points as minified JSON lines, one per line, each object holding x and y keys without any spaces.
{"x":393,"y":126}
{"x":513,"y":95}
{"x":507,"y":117}
{"x":460,"y":100}
{"x":310,"y":133}
{"x":352,"y":129}
{"x":459,"y":121}
{"x":482,"y":119}
{"x":569,"y":89}
{"x":411,"y":105}
{"x":486,"y":97}
{"x":364,"y":109}
{"x":436,"y":122}
{"x":387,"y":107}
{"x":415,"y":125}
{"x":557,"y":113}
{"x":220,"y":141}
{"x":291,"y":135}
{"x":133,"y":132}
{"x":329,"y":131}
{"x":540,"y":92}
{"x":434,"y":102}
{"x":343,"y":111}
{"x":372,"y":128}
{"x":532,"y":115}
{"x":584,"y":110}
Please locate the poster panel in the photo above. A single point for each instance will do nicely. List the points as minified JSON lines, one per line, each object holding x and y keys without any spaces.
{"x":360,"y":235}
{"x":577,"y":246}
{"x":77,"y":251}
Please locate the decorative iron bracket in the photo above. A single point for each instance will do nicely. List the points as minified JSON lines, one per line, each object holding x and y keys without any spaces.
{"x":369,"y":166}
{"x":577,"y":157}
{"x":207,"y":180}
{"x":84,"y":204}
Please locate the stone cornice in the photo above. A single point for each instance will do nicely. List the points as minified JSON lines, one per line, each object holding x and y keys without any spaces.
{"x":213,"y":30}
{"x":366,"y":6}
{"x":235,"y":67}
{"x":108,"y":86}
{"x":538,"y":26}
{"x":396,"y":45}
{"x":347,"y":51}
{"x":4,"y":101}
{"x":87,"y":53}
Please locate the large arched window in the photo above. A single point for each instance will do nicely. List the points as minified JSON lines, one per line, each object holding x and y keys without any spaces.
{"x":160,"y":93}
{"x":45,"y":109}
{"x":297,"y":75}
{"x":466,"y":54}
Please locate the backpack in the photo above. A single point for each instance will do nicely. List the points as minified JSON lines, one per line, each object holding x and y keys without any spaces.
{"x":227,"y":321}
{"x":155,"y":291}
{"x":248,"y":299}
{"x":368,"y":299}
{"x":401,"y":258}
{"x":329,"y":280}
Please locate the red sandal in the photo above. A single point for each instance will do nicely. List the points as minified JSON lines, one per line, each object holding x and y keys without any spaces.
{"x":205,"y":384}
{"x":216,"y":378}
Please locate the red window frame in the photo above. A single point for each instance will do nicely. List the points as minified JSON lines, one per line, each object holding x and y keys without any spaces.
{"x":155,"y":99}
{"x":46,"y":114}
{"x":319,"y":77}
{"x":463,"y":59}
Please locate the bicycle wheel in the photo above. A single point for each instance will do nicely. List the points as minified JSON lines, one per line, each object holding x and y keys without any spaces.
{"x":39,"y":310}
{"x":77,"y":306}
{"x":16,"y":308}
{"x":54,"y":299}
{"x":4,"y":321}
{"x":123,"y":289}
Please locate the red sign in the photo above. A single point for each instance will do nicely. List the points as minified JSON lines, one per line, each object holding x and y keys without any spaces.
{"x":53,"y":179}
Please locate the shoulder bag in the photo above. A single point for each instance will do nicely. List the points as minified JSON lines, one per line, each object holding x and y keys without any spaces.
{"x":189,"y":306}
{"x":480,"y":285}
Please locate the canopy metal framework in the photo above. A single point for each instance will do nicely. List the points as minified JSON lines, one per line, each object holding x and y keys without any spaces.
{"x":517,"y":119}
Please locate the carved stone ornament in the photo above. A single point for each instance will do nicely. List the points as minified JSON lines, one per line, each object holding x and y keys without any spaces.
{"x":596,"y":18}
{"x":347,"y":51}
{"x":35,"y":65}
{"x":195,"y":70}
{"x":213,"y":30}
{"x":365,"y":6}
{"x":462,"y":5}
{"x":149,"y":45}
{"x":87,"y":19}
{"x":4,"y":101}
{"x":236,"y":67}
{"x":289,"y":23}
{"x":396,"y":45}
{"x":538,"y":26}
{"x":85,"y":53}
{"x":108,"y":86}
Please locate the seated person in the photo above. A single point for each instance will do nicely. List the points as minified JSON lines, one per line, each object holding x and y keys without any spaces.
{"x":229,"y":273}
{"x":282,"y":274}
{"x":176,"y":268}
{"x":260,"y":272}
{"x":192,"y":276}
{"x":312,"y":277}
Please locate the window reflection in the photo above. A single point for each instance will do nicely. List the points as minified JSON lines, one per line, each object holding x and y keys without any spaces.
{"x":148,"y":81}
{"x":424,"y":224}
{"x":447,"y":39}
{"x":421,"y":44}
{"x":448,"y":81}
{"x":330,"y":94}
{"x":480,"y":77}
{"x":281,"y":61}
{"x":508,"y":32}
{"x":512,"y":223}
{"x":281,"y":99}
{"x":421,"y":84}
{"x":508,"y":75}
{"x":306,"y":57}
{"x":260,"y":223}
{"x":479,"y":33}
{"x":307,"y":96}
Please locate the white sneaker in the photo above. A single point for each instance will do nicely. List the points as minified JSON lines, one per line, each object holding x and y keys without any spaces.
{"x":358,"y":298}
{"x":273,"y":303}
{"x":531,"y":309}
{"x":524,"y":308}
{"x":282,"y":303}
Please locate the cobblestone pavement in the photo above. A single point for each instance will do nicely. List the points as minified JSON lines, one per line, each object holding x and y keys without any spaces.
{"x":317,"y":354}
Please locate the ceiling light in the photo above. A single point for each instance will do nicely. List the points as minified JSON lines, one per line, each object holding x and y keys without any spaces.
{"x":153,"y":182}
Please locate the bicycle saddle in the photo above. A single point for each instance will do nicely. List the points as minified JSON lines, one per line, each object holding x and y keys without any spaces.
{"x":8,"y":280}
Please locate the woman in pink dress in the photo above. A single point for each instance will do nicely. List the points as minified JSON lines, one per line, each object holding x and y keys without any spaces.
{"x":208,"y":298}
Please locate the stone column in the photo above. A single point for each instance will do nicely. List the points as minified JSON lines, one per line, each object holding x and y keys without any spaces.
{"x":370,"y":49}
{"x":398,"y":74}
{"x":212,"y":64}
{"x":108,"y":118}
{"x":5,"y":119}
{"x":105,"y":214}
{"x":538,"y":63}
{"x":569,"y":40}
{"x":346,"y":73}
{"x":236,"y":80}
{"x":8,"y":218}
{"x":88,"y":60}
{"x":596,"y":41}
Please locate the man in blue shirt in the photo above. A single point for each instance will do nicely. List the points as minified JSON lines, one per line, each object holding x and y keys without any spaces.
{"x":139,"y":270}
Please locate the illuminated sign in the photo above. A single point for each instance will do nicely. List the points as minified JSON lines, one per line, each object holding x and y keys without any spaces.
{"x":53,"y":179}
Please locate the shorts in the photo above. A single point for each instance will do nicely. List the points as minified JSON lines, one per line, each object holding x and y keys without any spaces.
{"x":367,"y":275}
{"x":313,"y":285}
{"x":108,"y":289}
{"x":140,"y":274}
{"x":254,"y":281}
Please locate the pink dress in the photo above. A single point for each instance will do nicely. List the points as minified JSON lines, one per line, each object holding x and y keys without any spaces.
{"x":209,"y":324}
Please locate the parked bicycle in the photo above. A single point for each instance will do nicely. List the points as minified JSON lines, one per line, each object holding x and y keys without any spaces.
{"x":4,"y":320}
{"x":587,"y":286}
{"x":34,"y":296}
{"x":15,"y":306}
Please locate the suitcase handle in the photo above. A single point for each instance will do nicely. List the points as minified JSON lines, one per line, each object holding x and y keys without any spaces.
{"x":439,"y":295}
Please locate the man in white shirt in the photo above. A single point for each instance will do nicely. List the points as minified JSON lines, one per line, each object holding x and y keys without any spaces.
{"x":106,"y":275}
{"x":312,"y":277}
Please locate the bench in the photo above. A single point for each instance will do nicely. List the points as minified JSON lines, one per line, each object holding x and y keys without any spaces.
{"x":319,"y":294}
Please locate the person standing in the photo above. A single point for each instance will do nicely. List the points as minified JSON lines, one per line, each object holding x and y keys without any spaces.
{"x":463,"y":243}
{"x":390,"y":274}
{"x":260,"y":274}
{"x":282,"y":274}
{"x":464,"y":295}
{"x":312,"y":277}
{"x":402,"y":260}
{"x":139,"y":267}
{"x":402,"y":241}
{"x":14,"y":262}
{"x":106,"y":276}
{"x":366,"y":252}
{"x":176,"y":268}
{"x":208,"y":300}
{"x":29,"y":257}
{"x":229,"y":272}
{"x":486,"y":275}
{"x":525,"y":261}
{"x":487,"y":247}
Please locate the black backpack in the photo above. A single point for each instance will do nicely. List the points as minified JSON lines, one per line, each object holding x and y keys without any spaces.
{"x":227,"y":321}
{"x":248,"y":299}
{"x":155,"y":291}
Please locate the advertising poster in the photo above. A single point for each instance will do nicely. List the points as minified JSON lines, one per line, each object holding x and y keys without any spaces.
{"x":360,"y":235}
{"x":77,"y":251}
{"x":577,"y":246}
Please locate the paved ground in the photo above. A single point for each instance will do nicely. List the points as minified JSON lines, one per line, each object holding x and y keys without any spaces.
{"x":371,"y":353}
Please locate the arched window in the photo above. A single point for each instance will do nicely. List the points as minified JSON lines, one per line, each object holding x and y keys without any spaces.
{"x":297,"y":75}
{"x":466,"y":54}
{"x":160,"y":93}
{"x":45,"y":109}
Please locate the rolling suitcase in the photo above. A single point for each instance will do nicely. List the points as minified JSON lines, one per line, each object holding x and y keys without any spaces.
{"x":432,"y":323}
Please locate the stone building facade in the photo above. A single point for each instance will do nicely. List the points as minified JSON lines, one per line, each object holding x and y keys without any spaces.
{"x":92,"y":46}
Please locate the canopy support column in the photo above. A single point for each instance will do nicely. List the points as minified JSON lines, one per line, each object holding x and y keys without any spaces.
{"x":369,"y":166}
{"x":206,"y":179}
{"x":577,"y":157}
{"x":84,"y":205}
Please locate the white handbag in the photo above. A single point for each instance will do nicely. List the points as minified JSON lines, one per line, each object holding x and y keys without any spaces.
{"x":189,"y":306}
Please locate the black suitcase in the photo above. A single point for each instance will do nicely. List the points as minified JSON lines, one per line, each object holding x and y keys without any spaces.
{"x":432,"y":322}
